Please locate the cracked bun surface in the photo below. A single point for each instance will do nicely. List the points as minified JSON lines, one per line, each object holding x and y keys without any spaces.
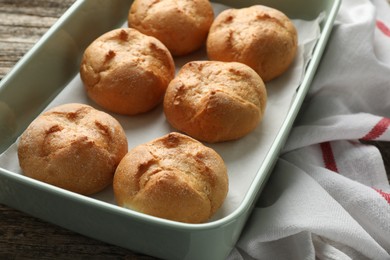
{"x":126,"y":72}
{"x":261,"y":37}
{"x":215,"y":101}
{"x":173,"y":177}
{"x":73,"y":146}
{"x":181,"y":25}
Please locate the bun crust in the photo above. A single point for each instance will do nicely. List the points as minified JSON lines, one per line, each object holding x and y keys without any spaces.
{"x":173,"y":177}
{"x":261,"y":37}
{"x":215,"y":101}
{"x":126,"y":72}
{"x":182,"y":26}
{"x":73,"y":146}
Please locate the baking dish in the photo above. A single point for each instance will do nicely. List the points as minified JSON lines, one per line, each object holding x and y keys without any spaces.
{"x":51,"y":66}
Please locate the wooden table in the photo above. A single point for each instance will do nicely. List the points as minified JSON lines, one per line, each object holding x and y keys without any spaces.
{"x":22,"y":23}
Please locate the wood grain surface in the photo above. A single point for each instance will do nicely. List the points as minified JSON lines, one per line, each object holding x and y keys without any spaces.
{"x":22,"y":23}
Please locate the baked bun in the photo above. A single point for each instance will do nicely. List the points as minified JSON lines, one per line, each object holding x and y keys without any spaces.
{"x":173,"y":177}
{"x":126,"y":72}
{"x":215,"y":101}
{"x":73,"y":146}
{"x":182,"y":25}
{"x":261,"y":37}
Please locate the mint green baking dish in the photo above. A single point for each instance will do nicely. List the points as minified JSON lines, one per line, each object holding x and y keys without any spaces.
{"x":52,"y":63}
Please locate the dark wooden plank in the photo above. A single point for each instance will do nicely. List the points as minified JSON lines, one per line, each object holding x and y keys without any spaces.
{"x":25,"y":237}
{"x":22,"y":23}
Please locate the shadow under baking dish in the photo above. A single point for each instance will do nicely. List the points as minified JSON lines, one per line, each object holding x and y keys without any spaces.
{"x":48,"y":75}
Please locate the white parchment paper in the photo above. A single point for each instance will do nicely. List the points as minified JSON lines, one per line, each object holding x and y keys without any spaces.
{"x":243,"y":157}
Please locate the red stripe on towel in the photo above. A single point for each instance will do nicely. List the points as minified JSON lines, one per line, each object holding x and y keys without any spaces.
{"x":383,"y":28}
{"x":328,"y":157}
{"x":384,"y":195}
{"x":378,"y":129}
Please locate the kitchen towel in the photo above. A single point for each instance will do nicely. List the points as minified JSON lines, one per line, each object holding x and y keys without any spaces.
{"x":329,"y":196}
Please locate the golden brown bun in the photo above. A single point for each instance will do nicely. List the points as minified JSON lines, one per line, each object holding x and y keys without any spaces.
{"x":73,"y":146}
{"x":173,"y":177}
{"x":182,"y":25}
{"x":261,"y":37}
{"x":215,"y":101}
{"x":126,"y":72}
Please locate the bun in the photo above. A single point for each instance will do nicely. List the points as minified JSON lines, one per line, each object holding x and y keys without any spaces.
{"x":126,"y":72}
{"x":182,"y":26}
{"x":215,"y":101}
{"x":73,"y":146}
{"x":173,"y":177}
{"x":261,"y":37}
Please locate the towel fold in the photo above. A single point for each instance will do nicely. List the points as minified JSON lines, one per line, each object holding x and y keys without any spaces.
{"x":329,"y":196}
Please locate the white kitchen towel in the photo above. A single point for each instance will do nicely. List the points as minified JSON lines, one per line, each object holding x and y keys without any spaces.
{"x":329,"y":196}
